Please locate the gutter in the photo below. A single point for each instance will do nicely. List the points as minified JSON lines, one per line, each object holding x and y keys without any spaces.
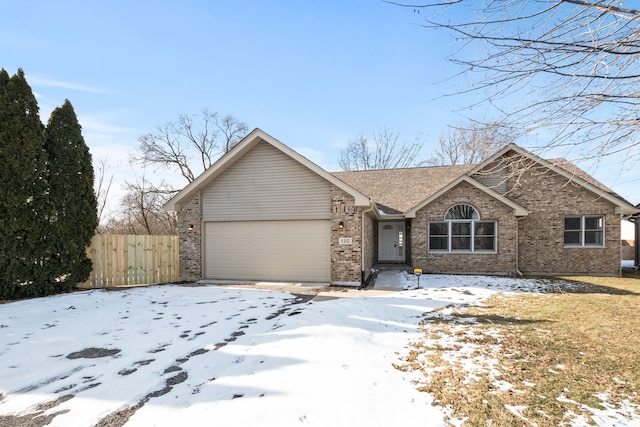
{"x":637,"y":242}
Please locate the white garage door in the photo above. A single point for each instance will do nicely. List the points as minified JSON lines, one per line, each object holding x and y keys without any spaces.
{"x":268,"y":250}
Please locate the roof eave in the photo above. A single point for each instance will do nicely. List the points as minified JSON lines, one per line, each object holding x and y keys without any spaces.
{"x":389,"y":217}
{"x":517,"y":209}
{"x":622,"y":206}
{"x":625,"y":210}
{"x":239,"y":150}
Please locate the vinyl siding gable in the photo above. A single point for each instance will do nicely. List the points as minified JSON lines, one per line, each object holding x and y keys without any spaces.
{"x":496,"y":180}
{"x":266,"y":184}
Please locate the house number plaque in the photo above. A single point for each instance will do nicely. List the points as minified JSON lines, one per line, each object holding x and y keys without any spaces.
{"x":345,"y":241}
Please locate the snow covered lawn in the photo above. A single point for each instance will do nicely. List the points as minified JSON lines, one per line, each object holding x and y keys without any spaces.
{"x":206,"y":355}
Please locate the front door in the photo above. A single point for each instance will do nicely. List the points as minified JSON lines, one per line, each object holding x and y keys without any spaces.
{"x":391,"y":241}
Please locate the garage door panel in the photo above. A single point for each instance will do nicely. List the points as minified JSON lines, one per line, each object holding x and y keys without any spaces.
{"x":268,"y":250}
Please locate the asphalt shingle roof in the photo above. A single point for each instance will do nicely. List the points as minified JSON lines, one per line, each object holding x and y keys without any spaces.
{"x":399,"y":190}
{"x":579,"y":173}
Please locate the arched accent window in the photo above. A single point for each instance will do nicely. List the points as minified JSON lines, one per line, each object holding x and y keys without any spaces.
{"x":462,"y":231}
{"x":462,"y":212}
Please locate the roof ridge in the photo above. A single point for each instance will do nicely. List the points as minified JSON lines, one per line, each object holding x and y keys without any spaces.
{"x":469,"y":165}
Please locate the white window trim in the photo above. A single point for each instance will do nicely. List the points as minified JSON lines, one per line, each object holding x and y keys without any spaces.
{"x":473,"y":232}
{"x":583,"y":230}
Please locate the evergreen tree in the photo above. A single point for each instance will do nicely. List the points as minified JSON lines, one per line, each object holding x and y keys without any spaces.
{"x":72,"y":200}
{"x":24,"y":252}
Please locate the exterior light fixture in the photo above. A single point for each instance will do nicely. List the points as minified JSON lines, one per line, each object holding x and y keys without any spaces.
{"x":190,"y":227}
{"x":341,"y":224}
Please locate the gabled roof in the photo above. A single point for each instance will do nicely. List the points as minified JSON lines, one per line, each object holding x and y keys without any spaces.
{"x":577,"y":172}
{"x":408,"y":190}
{"x":405,"y":191}
{"x":402,"y":192}
{"x":399,"y":190}
{"x":517,"y":209}
{"x":563,"y":168}
{"x":255,"y":137}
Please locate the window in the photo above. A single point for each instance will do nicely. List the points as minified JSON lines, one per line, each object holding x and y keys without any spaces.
{"x":586,"y":230}
{"x":462,"y":212}
{"x":439,"y":236}
{"x":484,"y":236}
{"x":462,"y":231}
{"x":460,"y":236}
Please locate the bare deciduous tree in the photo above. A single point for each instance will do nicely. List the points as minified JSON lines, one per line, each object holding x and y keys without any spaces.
{"x":190,"y":147}
{"x":102,"y":186}
{"x":382,"y":150}
{"x":470,"y":144}
{"x":566,"y":70}
{"x":142,"y":210}
{"x":232,"y":130}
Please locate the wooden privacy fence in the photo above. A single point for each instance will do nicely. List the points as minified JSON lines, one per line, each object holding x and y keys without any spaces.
{"x":124,"y":260}
{"x":628,"y":250}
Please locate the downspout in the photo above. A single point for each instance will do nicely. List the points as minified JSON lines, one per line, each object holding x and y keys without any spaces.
{"x":518,"y":272}
{"x":362,"y":272}
{"x":636,"y":219}
{"x":202,"y":239}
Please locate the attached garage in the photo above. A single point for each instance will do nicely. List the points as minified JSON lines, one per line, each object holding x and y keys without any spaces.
{"x":267,"y":218}
{"x":268,"y":250}
{"x":264,"y":212}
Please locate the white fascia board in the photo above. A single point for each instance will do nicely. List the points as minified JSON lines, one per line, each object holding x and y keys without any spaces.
{"x":622,"y":207}
{"x":244,"y":146}
{"x":625,"y":210}
{"x":517,"y":209}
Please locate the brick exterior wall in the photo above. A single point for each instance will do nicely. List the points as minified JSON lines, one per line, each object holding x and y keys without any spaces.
{"x":345,"y":259}
{"x":370,"y":244}
{"x":190,"y":213}
{"x":549,"y":198}
{"x":490,"y":209}
{"x":533,"y":244}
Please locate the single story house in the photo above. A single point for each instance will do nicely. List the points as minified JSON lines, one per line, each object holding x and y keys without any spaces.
{"x":265,"y":212}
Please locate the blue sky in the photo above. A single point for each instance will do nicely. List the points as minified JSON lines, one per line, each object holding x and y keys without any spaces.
{"x":313,"y":74}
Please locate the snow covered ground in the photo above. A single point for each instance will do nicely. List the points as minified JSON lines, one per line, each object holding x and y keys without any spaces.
{"x":206,"y":355}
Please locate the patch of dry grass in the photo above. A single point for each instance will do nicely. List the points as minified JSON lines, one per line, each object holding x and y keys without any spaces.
{"x":535,"y":359}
